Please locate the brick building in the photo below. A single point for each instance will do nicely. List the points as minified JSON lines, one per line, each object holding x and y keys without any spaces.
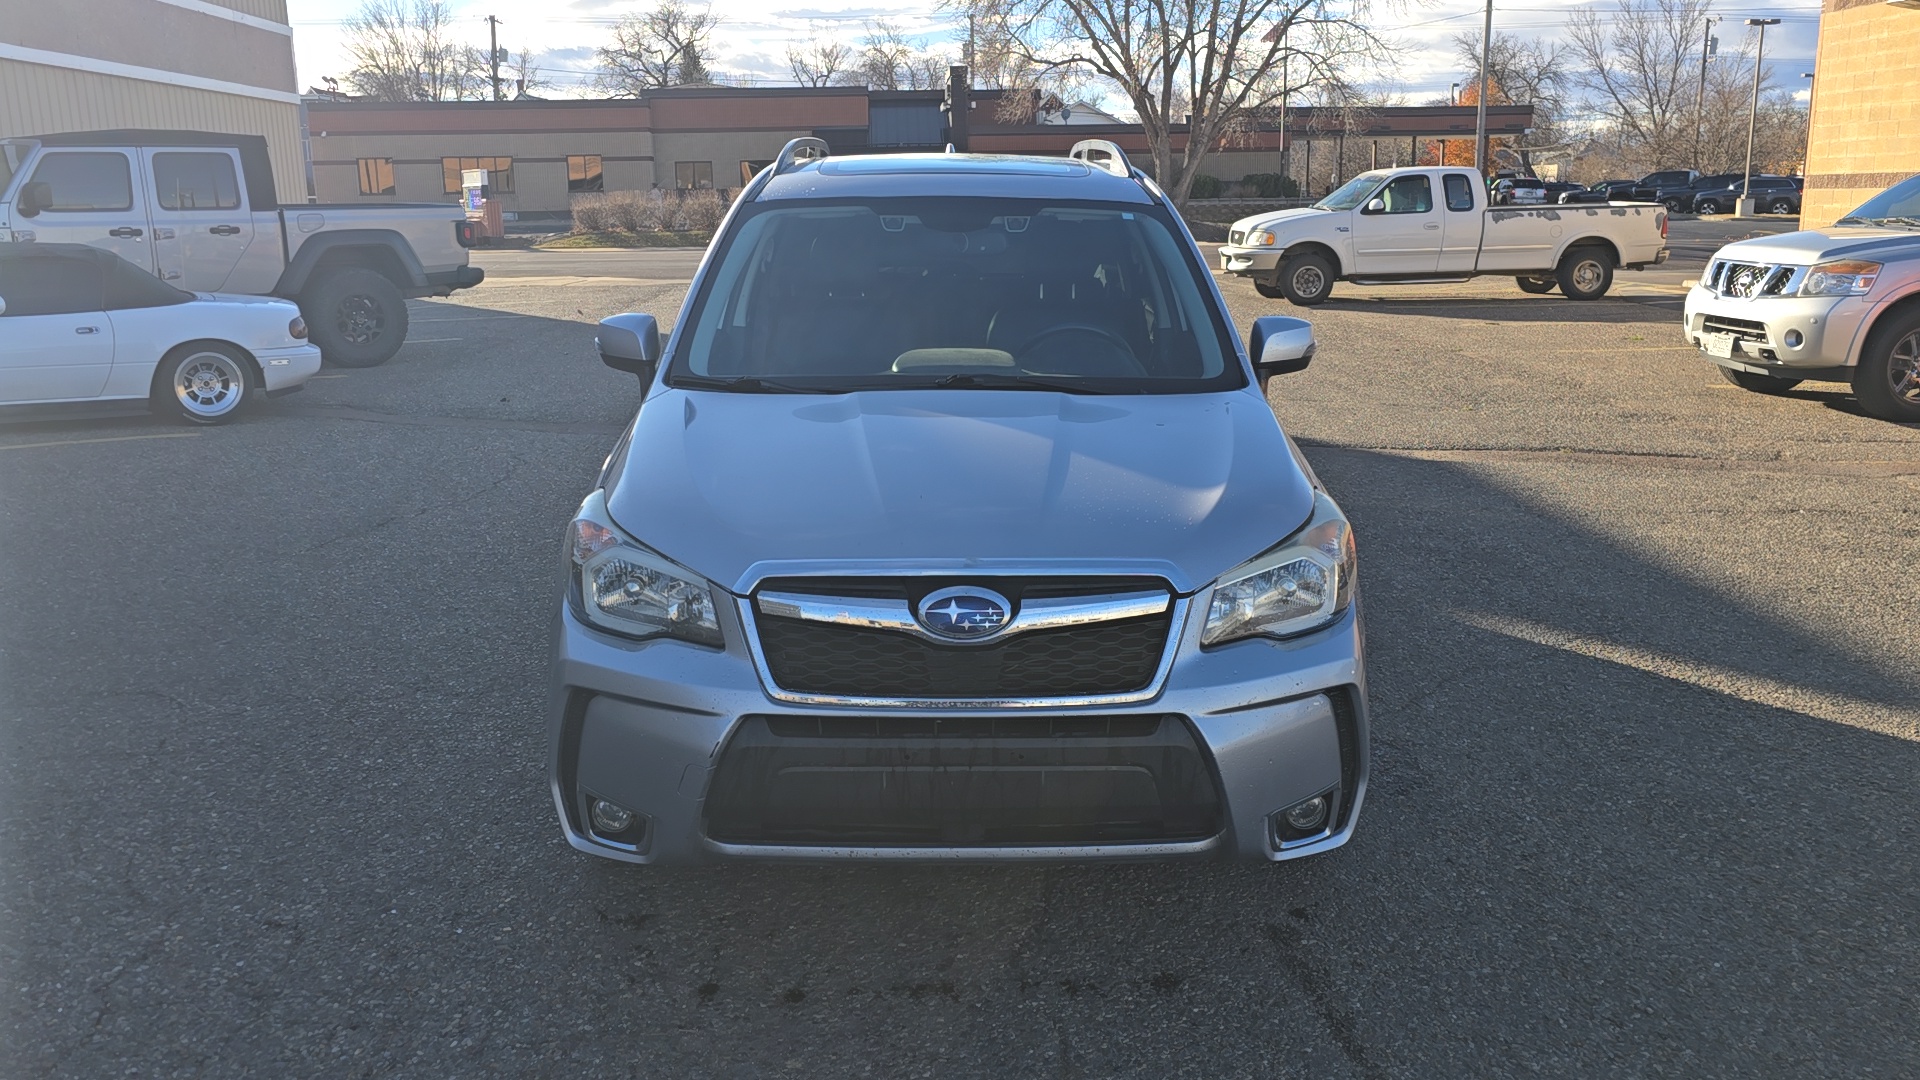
{"x":1864,"y":132}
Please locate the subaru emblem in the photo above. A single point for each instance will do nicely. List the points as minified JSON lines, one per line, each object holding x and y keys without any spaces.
{"x":964,"y":613}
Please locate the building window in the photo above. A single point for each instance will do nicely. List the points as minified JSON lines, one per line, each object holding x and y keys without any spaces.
{"x":195,"y":182}
{"x":86,"y":181}
{"x":499,"y":172}
{"x":689,"y":175}
{"x":376,"y":176}
{"x":583,"y":173}
{"x":751,"y":169}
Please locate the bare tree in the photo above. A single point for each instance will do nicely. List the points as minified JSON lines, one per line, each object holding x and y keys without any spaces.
{"x":1519,"y":72}
{"x":1214,"y":66}
{"x":888,"y":60}
{"x":818,"y":61}
{"x":526,"y":78}
{"x":403,"y":50}
{"x":663,"y":46}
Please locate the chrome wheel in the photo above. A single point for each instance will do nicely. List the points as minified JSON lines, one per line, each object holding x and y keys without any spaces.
{"x":360,"y":319}
{"x":1309,"y":281}
{"x":1903,"y":369}
{"x":1587,"y":274}
{"x":1780,"y":206}
{"x":1708,"y":207}
{"x":209,"y":385}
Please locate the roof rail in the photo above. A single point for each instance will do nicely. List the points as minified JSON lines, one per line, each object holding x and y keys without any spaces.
{"x":806,"y":146}
{"x":1103,"y":154}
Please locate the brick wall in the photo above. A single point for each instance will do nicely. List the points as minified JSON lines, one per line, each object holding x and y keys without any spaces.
{"x":1864,"y":133}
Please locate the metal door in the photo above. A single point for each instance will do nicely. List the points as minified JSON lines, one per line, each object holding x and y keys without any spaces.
{"x":1404,"y":236}
{"x":55,"y":342}
{"x":95,"y":197}
{"x":201,"y":222}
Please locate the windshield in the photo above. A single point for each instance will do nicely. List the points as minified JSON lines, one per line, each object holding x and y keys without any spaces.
{"x":11,"y":155}
{"x":1898,"y":205}
{"x":836,"y":296}
{"x":1352,"y":193}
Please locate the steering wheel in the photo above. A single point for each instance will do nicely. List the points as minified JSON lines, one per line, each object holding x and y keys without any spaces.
{"x":1116,"y":341}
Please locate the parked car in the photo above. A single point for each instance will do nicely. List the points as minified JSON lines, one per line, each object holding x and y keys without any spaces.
{"x":1387,"y":227}
{"x":1654,"y":186}
{"x":1562,"y":192}
{"x":1840,"y":304}
{"x":82,"y":325}
{"x":976,"y":541}
{"x":1682,"y":200}
{"x":1615,"y":190}
{"x":1519,"y":191}
{"x":1775,"y":195}
{"x":199,"y":210}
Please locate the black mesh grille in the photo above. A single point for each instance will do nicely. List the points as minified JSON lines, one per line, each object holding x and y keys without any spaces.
{"x":1101,"y":658}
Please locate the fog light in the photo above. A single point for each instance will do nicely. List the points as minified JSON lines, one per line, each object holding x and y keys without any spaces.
{"x":611,"y":818}
{"x":1794,"y":339}
{"x":1309,"y":815}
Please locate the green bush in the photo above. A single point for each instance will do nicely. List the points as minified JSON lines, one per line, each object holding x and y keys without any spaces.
{"x":1206,"y":187}
{"x":1269,"y":185}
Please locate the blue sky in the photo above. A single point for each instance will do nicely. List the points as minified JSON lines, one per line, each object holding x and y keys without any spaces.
{"x":754,"y":34}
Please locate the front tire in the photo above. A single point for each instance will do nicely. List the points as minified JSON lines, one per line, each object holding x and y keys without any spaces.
{"x":1271,"y":292}
{"x":1307,"y":279}
{"x":202,"y":384}
{"x":1534,"y":285}
{"x":1779,"y":206}
{"x":1759,"y":384}
{"x":1585,"y":273}
{"x":1887,"y":382}
{"x":1672,"y":205}
{"x":1706,"y":206}
{"x":356,"y":316}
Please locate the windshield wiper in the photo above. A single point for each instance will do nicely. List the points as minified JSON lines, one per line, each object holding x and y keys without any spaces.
{"x":1852,"y":220}
{"x":1902,"y":220}
{"x":972,"y":380}
{"x":746,"y":384}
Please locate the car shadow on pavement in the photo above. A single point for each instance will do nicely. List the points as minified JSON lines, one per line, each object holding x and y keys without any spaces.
{"x":1615,"y":812}
{"x":1518,"y":308}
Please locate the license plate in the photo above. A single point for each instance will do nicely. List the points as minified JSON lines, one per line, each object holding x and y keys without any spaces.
{"x":1718,"y":344}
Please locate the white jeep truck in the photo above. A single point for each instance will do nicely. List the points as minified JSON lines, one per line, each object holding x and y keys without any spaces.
{"x":1392,"y":226}
{"x":1840,"y":304}
{"x":199,"y":211}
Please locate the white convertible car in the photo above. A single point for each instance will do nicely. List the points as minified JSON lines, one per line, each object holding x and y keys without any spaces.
{"x":79,"y":325}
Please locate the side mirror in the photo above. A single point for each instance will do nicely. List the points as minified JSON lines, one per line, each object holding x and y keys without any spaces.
{"x":1279,"y":345}
{"x":630,"y":343}
{"x":34,"y":198}
{"x":3,"y":305}
{"x":1376,"y":206}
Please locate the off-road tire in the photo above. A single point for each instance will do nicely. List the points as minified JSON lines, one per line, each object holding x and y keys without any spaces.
{"x":356,"y":316}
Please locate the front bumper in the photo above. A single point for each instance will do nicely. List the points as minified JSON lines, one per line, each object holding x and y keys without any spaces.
{"x":1795,"y":336}
{"x":1250,"y":262}
{"x":648,"y":726}
{"x":285,"y":369}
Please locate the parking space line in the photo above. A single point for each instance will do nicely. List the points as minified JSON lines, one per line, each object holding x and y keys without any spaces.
{"x":430,"y":340}
{"x":114,"y":438}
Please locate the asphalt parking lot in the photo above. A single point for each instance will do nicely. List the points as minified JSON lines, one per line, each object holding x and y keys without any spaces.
{"x":1647,"y":731}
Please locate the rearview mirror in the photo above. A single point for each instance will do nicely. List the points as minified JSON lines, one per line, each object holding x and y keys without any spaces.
{"x":1279,"y":344}
{"x":34,"y":198}
{"x":1376,"y":206}
{"x":630,"y":343}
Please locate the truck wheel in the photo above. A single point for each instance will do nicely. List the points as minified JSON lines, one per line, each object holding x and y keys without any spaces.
{"x":1887,"y":382}
{"x":356,"y":316}
{"x":1306,"y":279}
{"x":1585,"y":273}
{"x":1759,"y":384}
{"x":1268,"y":290}
{"x":1672,"y":205}
{"x":1706,"y":206}
{"x":205,"y":383}
{"x":1779,"y":206}
{"x":1535,"y":285}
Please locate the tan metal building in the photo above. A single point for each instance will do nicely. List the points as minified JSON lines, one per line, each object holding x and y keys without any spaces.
{"x":202,"y":65}
{"x":1864,"y":131}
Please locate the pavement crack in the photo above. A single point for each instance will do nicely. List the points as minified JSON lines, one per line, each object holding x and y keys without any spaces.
{"x":1342,"y":1027}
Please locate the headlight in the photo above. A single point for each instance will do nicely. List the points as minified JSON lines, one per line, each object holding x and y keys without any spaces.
{"x":1845,"y":277}
{"x":623,"y":588}
{"x":1301,"y":585}
{"x":1260,"y":238}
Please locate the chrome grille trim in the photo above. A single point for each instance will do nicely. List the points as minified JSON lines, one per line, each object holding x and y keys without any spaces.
{"x":1050,"y":613}
{"x":1734,"y":280}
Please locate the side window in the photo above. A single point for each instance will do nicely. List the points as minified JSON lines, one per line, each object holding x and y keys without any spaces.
{"x":499,"y":173}
{"x":128,"y":286}
{"x":692,"y":175}
{"x":1459,"y":192}
{"x":583,"y":173}
{"x":86,"y":181}
{"x":195,"y":182}
{"x":49,"y":285}
{"x":376,"y":176}
{"x":1408,"y":195}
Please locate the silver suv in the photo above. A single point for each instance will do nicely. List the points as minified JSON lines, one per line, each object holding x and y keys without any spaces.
{"x":1840,"y":305}
{"x":954,"y":524}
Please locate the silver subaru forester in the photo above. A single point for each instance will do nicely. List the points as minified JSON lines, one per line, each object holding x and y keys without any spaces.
{"x":955,"y":525}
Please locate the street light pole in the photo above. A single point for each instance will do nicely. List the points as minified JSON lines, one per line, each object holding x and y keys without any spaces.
{"x":1700,"y":99}
{"x":1480,"y":121}
{"x":1753,"y":108}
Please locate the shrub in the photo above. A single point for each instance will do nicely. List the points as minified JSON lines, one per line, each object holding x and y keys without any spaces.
{"x":592,"y":213}
{"x":650,"y":211}
{"x":1206,"y":187}
{"x":1271,"y":185}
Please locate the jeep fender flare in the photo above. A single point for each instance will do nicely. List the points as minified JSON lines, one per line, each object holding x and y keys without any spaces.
{"x":381,"y":250}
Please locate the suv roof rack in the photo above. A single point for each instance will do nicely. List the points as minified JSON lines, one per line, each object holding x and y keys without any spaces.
{"x":1103,"y":154}
{"x":806,"y":146}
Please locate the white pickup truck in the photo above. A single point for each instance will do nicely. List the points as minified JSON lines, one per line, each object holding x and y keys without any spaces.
{"x":1393,"y":226}
{"x":199,"y":211}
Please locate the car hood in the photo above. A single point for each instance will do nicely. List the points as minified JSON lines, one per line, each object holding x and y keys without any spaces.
{"x":741,"y":486}
{"x":1278,"y":218}
{"x":1805,"y":248}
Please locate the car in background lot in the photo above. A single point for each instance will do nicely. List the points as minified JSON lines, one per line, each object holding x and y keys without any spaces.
{"x":977,"y":541}
{"x":1614,"y":190}
{"x":1772,"y":194}
{"x":199,"y":210}
{"x":1559,"y":191}
{"x":1840,"y":304}
{"x":1680,"y":200}
{"x":1519,"y":191}
{"x":79,"y":325}
{"x":1653,"y":186}
{"x":1402,"y":226}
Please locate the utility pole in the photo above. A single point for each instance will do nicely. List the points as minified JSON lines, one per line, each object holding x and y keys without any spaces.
{"x":493,"y":54}
{"x":1700,"y":99}
{"x":1480,"y":122}
{"x":1753,"y":109}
